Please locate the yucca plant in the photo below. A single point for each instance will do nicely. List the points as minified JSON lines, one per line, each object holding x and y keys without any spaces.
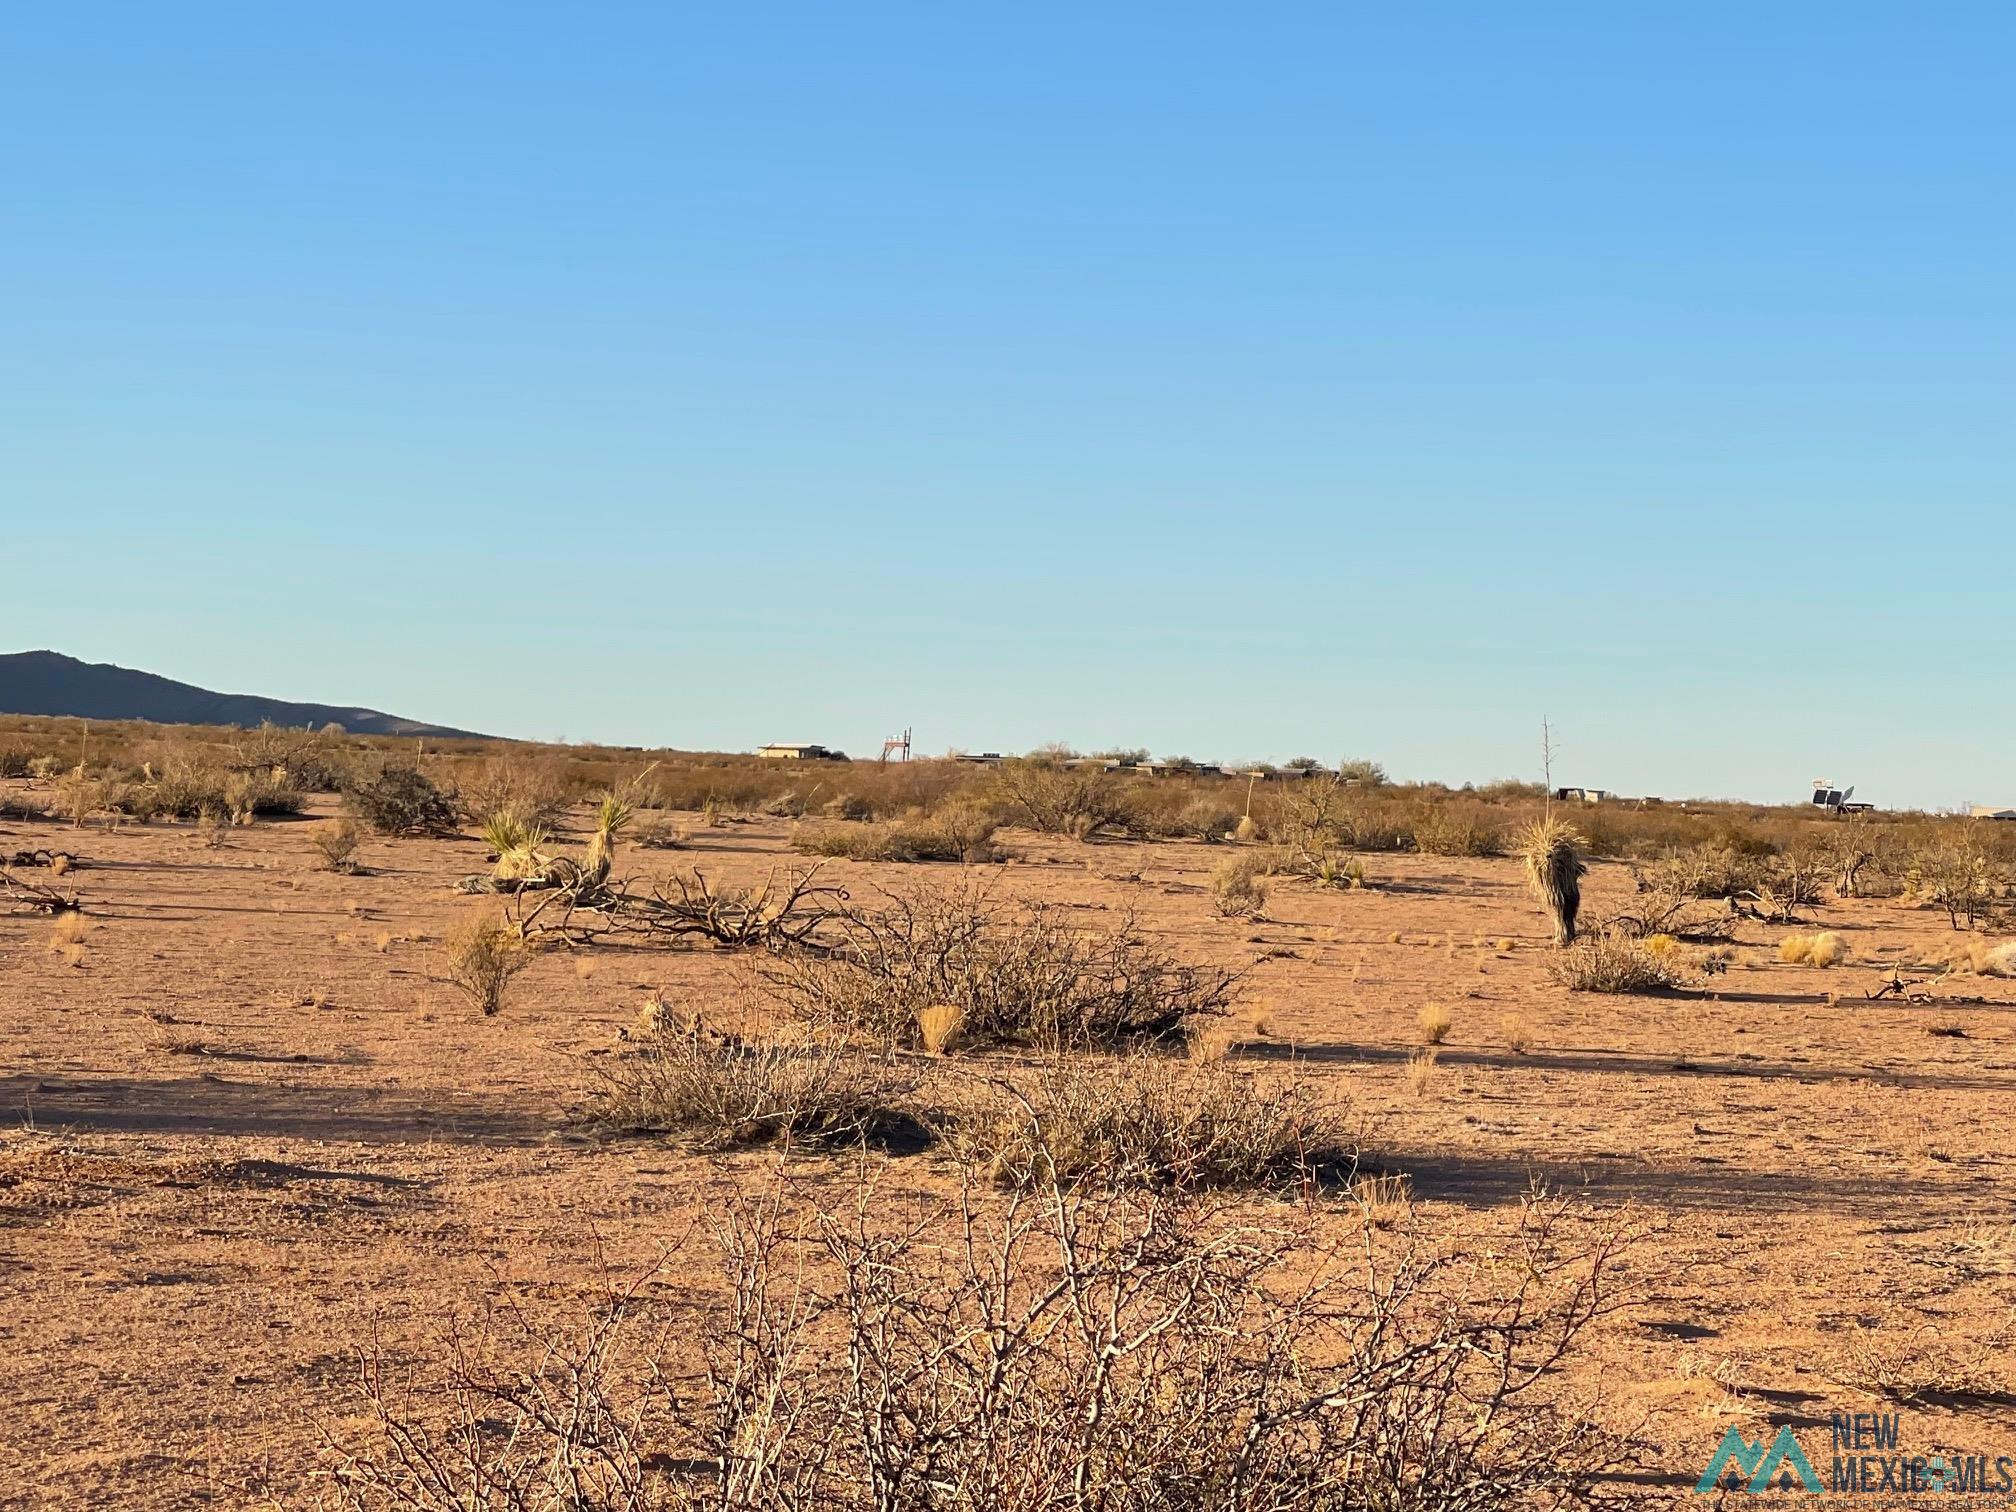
{"x":517,"y":842}
{"x":611,"y":816}
{"x":1555,"y":867}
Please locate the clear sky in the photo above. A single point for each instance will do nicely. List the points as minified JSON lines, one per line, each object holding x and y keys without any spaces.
{"x":1230,"y":380}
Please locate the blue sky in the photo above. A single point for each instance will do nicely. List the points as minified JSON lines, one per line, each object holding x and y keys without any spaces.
{"x":1233,"y":381}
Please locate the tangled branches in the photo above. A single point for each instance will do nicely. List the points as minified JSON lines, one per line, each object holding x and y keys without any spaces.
{"x":34,"y":896}
{"x":1052,"y":1351}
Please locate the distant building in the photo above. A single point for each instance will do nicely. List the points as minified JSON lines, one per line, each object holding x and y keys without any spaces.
{"x":978,"y":758}
{"x":799,"y":753}
{"x":1981,"y":812}
{"x":1583,"y":795}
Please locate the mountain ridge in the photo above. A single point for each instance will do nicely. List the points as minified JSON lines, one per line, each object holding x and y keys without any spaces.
{"x":51,"y":683}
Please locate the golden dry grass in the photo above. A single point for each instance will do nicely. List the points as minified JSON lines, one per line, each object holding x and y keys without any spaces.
{"x":1434,"y":1021}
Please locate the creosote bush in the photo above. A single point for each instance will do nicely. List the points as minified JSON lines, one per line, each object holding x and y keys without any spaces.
{"x":400,"y":800}
{"x":1018,"y":974}
{"x":1610,"y":963}
{"x":1151,"y":1120}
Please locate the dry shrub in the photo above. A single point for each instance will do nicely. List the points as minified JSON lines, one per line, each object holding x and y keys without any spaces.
{"x":1087,"y":1350}
{"x":938,"y":1026}
{"x":250,"y":795}
{"x":1386,"y":1199}
{"x":1151,"y":1121}
{"x":1823,"y":949}
{"x":1611,"y":963}
{"x":1669,"y":902}
{"x":721,"y":1092}
{"x":1983,"y":959}
{"x":536,"y":789}
{"x":1434,"y":1021}
{"x":482,"y":957}
{"x":1661,"y":947}
{"x":1506,"y":945}
{"x":1517,"y":1033}
{"x":78,"y":796}
{"x":1457,"y":829}
{"x":67,"y":932}
{"x":1555,"y":868}
{"x":1421,"y":1071}
{"x":400,"y":800}
{"x":1059,"y":800}
{"x":1903,"y":1363}
{"x":1020,"y":974}
{"x":1206,"y":819}
{"x":336,"y":841}
{"x":955,"y":833}
{"x":1237,"y":888}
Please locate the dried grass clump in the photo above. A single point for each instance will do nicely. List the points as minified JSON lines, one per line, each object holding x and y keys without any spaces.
{"x":1984,"y":959}
{"x":1238,"y":890}
{"x":1021,"y":975}
{"x":721,"y":1092}
{"x":1610,"y":963}
{"x":1434,"y":1021}
{"x":1555,"y":868}
{"x":336,"y":841}
{"x":1421,"y":1071}
{"x":938,"y":1026}
{"x":482,"y":957}
{"x":1150,"y":1121}
{"x":1823,"y":949}
{"x":1516,"y":1032}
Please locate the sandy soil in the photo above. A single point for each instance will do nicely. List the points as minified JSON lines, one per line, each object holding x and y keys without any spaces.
{"x":249,"y":1125}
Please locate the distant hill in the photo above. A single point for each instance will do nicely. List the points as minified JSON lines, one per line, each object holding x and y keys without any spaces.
{"x":47,"y":682}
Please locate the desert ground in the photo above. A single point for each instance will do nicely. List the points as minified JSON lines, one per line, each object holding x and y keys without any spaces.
{"x":248,"y":1129}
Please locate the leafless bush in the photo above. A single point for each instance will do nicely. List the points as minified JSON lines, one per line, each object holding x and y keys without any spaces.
{"x":1958,"y":877}
{"x":535,"y":789}
{"x":788,"y":910}
{"x":1148,"y":1120}
{"x":1668,"y":902}
{"x":1051,"y":1351}
{"x":724,"y":1092}
{"x":1018,"y":974}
